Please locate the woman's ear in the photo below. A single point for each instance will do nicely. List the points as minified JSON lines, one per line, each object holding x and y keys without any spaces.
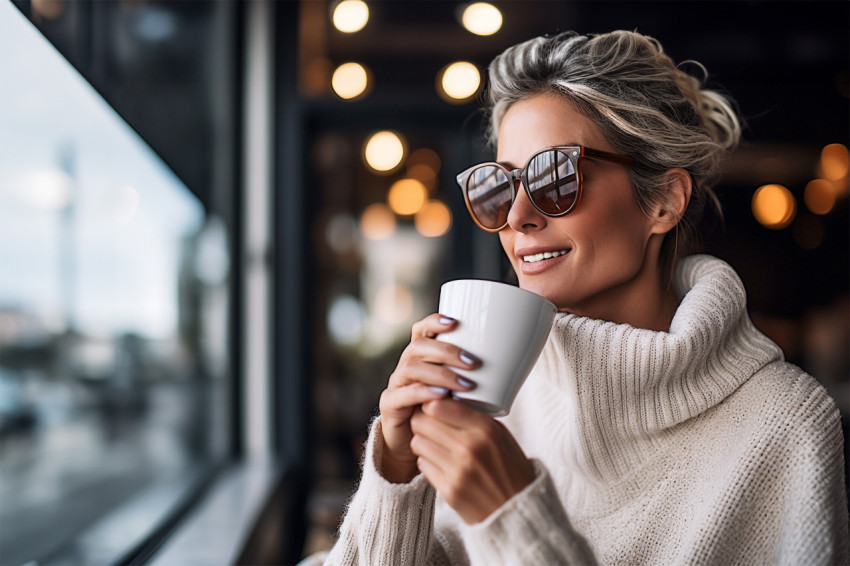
{"x":668,"y":213}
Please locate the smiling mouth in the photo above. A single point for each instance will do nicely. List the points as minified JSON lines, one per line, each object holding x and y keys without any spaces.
{"x":544,"y":255}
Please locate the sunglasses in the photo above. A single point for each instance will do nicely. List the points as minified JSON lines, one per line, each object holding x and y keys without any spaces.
{"x":552,"y":181}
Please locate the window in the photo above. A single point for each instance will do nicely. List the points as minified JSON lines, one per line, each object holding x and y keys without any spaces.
{"x":114,"y":311}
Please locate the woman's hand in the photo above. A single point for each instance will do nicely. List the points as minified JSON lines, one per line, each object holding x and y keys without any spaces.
{"x":423,"y":374}
{"x":470,"y":458}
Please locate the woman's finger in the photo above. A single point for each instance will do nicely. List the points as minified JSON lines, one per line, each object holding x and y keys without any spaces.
{"x":432,"y":325}
{"x":457,"y":415}
{"x":430,"y":449}
{"x":402,"y":400}
{"x":429,"y":361}
{"x":427,"y":426}
{"x":440,"y":352}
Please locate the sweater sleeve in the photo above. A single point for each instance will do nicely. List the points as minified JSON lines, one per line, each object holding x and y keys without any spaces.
{"x":531,"y":528}
{"x":385,"y":523}
{"x":814,"y":526}
{"x":784,"y":501}
{"x":393,"y":524}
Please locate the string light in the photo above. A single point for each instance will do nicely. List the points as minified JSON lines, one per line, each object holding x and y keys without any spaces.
{"x":407,"y":196}
{"x":384,"y":151}
{"x":433,"y":220}
{"x":819,"y":196}
{"x":482,"y":18}
{"x":350,"y":81}
{"x":774,"y":206}
{"x":350,"y":16}
{"x":377,"y":222}
{"x":835,"y":161}
{"x":459,"y":82}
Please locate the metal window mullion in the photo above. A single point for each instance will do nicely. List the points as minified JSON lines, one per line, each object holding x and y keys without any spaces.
{"x":258,"y":150}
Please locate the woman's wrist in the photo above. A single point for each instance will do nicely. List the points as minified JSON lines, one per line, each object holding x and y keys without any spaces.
{"x":395,"y":471}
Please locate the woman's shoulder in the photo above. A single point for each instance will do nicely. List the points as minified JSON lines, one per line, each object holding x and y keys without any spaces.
{"x":788,"y":401}
{"x":779,"y":425}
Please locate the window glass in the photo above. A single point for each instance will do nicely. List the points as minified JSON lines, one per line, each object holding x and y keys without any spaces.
{"x":113,"y":307}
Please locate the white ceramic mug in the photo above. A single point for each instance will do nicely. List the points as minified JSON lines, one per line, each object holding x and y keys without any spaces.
{"x":505,"y":327}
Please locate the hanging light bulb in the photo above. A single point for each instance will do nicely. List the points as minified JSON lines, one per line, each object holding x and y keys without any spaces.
{"x":482,"y":18}
{"x":350,"y":16}
{"x":459,"y":82}
{"x":350,"y":81}
{"x":774,"y":206}
{"x":384,"y":151}
{"x":407,"y":196}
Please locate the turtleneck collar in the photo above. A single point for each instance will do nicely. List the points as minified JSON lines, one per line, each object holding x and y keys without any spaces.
{"x":623,"y":388}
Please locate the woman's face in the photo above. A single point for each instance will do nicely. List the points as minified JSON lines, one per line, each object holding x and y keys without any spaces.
{"x":610,"y":265}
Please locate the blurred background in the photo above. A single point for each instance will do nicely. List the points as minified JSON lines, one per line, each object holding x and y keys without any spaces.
{"x":218,"y":220}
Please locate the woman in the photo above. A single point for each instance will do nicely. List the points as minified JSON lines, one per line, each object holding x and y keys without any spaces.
{"x":659,"y":426}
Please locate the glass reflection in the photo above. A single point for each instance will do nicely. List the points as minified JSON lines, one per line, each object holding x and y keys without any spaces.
{"x":113,"y":307}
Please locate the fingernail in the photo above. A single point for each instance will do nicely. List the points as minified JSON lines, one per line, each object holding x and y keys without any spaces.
{"x":439,"y":390}
{"x":446,"y":319}
{"x":465,"y":382}
{"x":468,"y":358}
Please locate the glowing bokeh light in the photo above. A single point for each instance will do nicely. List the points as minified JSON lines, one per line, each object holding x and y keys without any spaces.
{"x":819,"y":196}
{"x":433,"y":220}
{"x":50,"y":9}
{"x":350,"y":80}
{"x":341,"y":233}
{"x":377,"y":222}
{"x":482,"y":18}
{"x":774,"y":206}
{"x":423,"y":164}
{"x":50,"y":189}
{"x":345,"y":320}
{"x":459,"y":81}
{"x":350,"y":16}
{"x":407,"y":196}
{"x":384,"y":151}
{"x":424,"y":156}
{"x":835,"y":161}
{"x":423,"y":174}
{"x":393,"y":304}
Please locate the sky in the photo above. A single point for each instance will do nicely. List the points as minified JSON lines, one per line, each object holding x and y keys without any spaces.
{"x":91,"y":220}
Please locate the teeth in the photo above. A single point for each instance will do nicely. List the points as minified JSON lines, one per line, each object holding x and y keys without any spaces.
{"x":542,"y":256}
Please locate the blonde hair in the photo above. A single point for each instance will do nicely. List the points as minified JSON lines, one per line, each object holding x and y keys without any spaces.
{"x":645,"y":105}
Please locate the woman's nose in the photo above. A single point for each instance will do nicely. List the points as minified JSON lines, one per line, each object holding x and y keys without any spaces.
{"x":523,"y":216}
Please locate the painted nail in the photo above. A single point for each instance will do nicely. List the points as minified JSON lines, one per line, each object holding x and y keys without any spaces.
{"x":446,"y":320}
{"x":465,"y":382}
{"x":439,"y":390}
{"x":468,"y":358}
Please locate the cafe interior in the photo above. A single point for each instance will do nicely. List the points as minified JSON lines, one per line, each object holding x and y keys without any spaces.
{"x":219,"y":219}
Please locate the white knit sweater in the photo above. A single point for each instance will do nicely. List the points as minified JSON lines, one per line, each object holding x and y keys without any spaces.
{"x":697,"y":446}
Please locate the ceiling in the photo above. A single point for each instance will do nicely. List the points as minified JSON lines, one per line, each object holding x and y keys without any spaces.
{"x":785,"y":62}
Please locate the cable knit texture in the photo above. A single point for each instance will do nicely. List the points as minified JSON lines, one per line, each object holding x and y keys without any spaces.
{"x":695,"y":446}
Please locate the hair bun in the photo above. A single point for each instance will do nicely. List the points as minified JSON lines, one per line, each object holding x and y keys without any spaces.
{"x":716,"y":110}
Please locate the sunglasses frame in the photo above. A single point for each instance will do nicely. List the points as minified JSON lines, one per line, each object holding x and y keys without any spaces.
{"x":574,"y":153}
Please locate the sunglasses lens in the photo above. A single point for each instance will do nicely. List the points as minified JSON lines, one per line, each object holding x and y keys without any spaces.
{"x":552,"y":182}
{"x":489,"y":194}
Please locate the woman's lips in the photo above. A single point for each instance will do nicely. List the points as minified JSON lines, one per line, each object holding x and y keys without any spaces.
{"x":540,"y":260}
{"x":533,"y":258}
